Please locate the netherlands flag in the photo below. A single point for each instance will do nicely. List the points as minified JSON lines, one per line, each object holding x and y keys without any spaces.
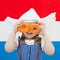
{"x":12,"y":10}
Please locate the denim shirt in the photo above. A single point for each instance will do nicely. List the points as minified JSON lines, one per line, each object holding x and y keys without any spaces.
{"x":29,"y":52}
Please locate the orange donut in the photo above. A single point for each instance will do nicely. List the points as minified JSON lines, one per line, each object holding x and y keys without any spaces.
{"x":34,"y":28}
{"x":24,"y":27}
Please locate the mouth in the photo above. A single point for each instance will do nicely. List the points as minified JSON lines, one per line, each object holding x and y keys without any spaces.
{"x":28,"y":33}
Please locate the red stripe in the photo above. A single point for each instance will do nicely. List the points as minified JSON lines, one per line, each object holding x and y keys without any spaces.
{"x":15,"y":8}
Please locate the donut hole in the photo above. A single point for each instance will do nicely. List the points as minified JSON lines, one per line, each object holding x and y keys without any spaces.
{"x":34,"y":28}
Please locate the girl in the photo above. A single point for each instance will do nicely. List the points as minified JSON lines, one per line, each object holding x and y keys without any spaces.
{"x":31,"y":41}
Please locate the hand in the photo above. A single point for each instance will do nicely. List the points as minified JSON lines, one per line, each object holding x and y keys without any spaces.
{"x":42,"y":26}
{"x":16,"y":26}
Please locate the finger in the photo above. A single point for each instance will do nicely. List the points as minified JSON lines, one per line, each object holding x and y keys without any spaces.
{"x":44,"y":24}
{"x":41,"y":23}
{"x":20,"y":24}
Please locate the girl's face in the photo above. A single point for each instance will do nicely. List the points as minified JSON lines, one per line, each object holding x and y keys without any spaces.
{"x":29,"y":34}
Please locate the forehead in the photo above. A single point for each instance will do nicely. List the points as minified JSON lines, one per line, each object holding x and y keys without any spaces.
{"x":31,"y":22}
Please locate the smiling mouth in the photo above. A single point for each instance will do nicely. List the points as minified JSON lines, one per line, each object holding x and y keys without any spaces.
{"x":29,"y":33}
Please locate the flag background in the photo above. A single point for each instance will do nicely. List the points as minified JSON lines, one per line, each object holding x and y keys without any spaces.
{"x":15,"y":8}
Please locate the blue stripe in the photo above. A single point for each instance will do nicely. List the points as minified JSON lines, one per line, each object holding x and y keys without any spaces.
{"x":13,"y":56}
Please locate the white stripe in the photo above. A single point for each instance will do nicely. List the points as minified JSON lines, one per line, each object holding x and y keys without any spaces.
{"x":53,"y":30}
